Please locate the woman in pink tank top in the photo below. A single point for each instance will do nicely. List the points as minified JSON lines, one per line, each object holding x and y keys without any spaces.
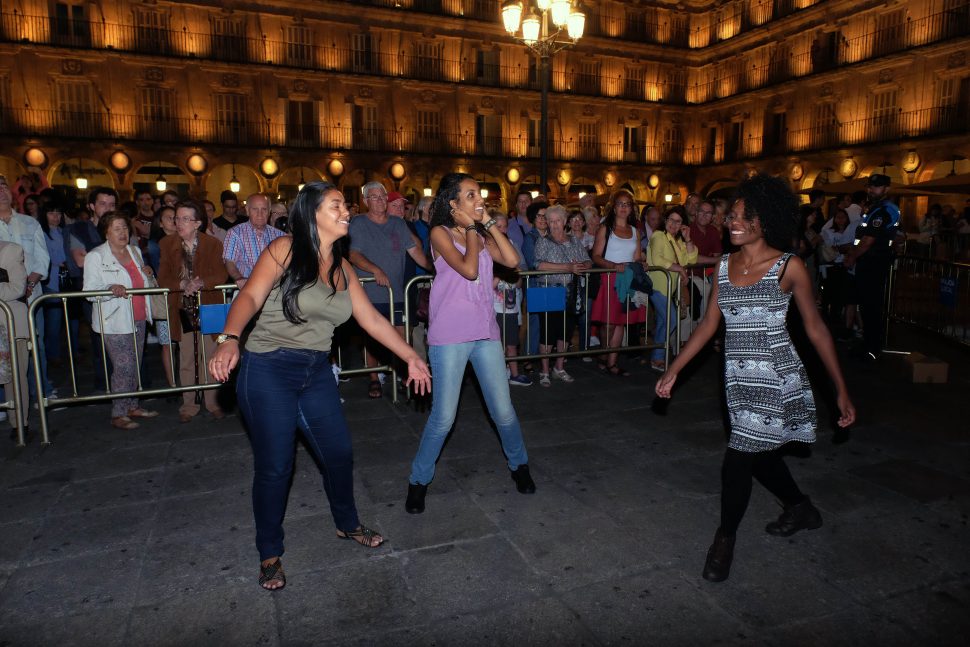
{"x":462,"y":329}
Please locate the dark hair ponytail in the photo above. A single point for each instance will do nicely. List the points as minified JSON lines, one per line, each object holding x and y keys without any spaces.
{"x":447,"y":191}
{"x":303,"y":270}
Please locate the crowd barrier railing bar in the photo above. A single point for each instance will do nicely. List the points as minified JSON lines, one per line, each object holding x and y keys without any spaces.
{"x":45,"y":404}
{"x":14,"y":401}
{"x":931,"y":294}
{"x":537,"y":276}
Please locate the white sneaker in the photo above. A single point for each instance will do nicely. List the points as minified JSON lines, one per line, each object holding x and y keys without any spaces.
{"x":544,"y":379}
{"x":561,"y":374}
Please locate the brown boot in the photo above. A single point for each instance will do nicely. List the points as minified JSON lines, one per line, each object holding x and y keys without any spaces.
{"x":719,"y":558}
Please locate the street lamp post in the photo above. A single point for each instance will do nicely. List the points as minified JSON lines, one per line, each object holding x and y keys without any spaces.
{"x":549,"y":26}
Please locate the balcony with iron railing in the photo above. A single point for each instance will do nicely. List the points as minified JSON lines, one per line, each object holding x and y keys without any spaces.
{"x":116,"y":127}
{"x":42,"y":30}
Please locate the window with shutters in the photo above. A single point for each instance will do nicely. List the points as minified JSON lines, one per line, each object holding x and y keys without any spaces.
{"x":427,"y":60}
{"x":366,"y":127}
{"x":231,"y":117}
{"x":5,"y":116}
{"x":588,"y":80}
{"x":301,"y":123}
{"x":889,"y":36}
{"x":487,"y":66}
{"x":228,"y":41}
{"x":298,"y":45}
{"x":76,"y":106}
{"x":588,"y":140}
{"x":70,"y":24}
{"x":428,"y":130}
{"x":151,"y":31}
{"x":885,"y":114}
{"x":157,"y":110}
{"x":632,"y":144}
{"x":535,"y":129}
{"x":488,"y":134}
{"x":633,"y":85}
{"x":362,"y":52}
{"x":825,"y":125}
{"x":946,"y":91}
{"x":673,"y":143}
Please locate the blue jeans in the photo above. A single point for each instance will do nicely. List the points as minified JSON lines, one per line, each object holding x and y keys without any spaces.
{"x":278,"y":392}
{"x":663,"y":330}
{"x":448,"y":366}
{"x":533,"y":333}
{"x":42,"y":356}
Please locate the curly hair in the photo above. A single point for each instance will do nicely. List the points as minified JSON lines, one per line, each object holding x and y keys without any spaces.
{"x":770,"y":200}
{"x":447,"y":191}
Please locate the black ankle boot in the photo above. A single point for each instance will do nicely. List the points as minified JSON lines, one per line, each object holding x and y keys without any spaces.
{"x":802,"y":516}
{"x":415,"y":501}
{"x":523,"y":481}
{"x":719,"y":558}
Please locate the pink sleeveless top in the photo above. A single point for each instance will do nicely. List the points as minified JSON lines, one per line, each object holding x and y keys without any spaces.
{"x":461,"y":310}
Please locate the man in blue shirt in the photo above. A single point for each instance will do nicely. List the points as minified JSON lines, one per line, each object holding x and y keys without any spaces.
{"x":872,"y":257}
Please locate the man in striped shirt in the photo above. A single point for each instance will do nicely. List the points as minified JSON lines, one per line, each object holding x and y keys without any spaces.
{"x":246,"y":241}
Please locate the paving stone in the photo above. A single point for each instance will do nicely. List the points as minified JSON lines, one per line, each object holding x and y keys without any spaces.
{"x":17,"y":538}
{"x":69,"y":587}
{"x":913,"y":480}
{"x":232,"y":472}
{"x":71,"y":535}
{"x":656,"y":606}
{"x":99,"y":493}
{"x":204,"y":515}
{"x":34,"y":500}
{"x":448,"y":518}
{"x":96,"y":629}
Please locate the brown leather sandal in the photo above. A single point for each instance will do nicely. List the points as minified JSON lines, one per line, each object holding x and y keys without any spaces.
{"x":363,"y":536}
{"x":124,"y":422}
{"x":270,"y":573}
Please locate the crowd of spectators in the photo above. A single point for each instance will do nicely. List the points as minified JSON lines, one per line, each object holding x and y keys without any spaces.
{"x":196,"y":246}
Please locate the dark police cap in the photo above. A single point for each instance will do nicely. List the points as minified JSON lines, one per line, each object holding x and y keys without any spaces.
{"x":878,"y":179}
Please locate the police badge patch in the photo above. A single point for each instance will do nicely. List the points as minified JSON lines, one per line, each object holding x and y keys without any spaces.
{"x":876,"y":222}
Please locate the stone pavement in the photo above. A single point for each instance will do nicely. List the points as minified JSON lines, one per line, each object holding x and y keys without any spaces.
{"x":146,"y":537}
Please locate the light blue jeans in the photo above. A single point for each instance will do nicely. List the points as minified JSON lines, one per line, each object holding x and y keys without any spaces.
{"x":448,"y":366}
{"x":665,"y":324}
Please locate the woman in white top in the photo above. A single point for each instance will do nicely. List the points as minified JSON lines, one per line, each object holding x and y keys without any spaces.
{"x":120,"y":319}
{"x":617,"y":245}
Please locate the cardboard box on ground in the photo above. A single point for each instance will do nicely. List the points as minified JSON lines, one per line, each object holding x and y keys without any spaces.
{"x":926,"y":370}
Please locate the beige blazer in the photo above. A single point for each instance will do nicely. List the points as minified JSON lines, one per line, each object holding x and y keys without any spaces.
{"x":12,"y":260}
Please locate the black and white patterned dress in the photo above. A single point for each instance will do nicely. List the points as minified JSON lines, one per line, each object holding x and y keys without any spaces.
{"x":769,"y":397}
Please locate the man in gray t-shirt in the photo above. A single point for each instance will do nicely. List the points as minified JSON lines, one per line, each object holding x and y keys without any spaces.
{"x":378,"y":247}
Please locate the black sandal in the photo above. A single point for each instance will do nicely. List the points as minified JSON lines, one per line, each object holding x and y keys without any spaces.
{"x":272,"y":572}
{"x":374,"y":390}
{"x":363,"y":536}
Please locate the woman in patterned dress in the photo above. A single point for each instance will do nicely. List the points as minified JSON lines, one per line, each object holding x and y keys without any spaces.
{"x":769,"y":398}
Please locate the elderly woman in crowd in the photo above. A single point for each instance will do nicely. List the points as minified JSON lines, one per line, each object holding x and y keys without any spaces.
{"x":191,"y":263}
{"x":592,"y":216}
{"x":120,"y":319}
{"x":563,"y":253}
{"x":13,"y":286}
{"x":670,"y":248}
{"x":617,"y":245}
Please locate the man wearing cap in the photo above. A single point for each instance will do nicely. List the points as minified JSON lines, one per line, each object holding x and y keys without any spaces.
{"x":396,"y":204}
{"x":379,"y":246}
{"x":872,"y":256}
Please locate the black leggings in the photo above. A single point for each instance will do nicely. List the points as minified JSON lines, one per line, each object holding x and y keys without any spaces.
{"x":770,"y":470}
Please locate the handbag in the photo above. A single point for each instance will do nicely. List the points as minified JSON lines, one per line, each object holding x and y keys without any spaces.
{"x":423,"y":311}
{"x":551,"y":298}
{"x":159,"y":301}
{"x":827,"y":253}
{"x":212,"y":318}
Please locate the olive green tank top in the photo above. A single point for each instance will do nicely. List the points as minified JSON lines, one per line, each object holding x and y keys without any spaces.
{"x":322,"y":313}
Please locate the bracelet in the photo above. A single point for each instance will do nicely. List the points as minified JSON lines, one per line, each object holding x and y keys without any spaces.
{"x":470,"y":227}
{"x":488,"y":225}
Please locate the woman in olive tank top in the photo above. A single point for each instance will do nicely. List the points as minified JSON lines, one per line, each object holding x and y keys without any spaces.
{"x":302,"y":287}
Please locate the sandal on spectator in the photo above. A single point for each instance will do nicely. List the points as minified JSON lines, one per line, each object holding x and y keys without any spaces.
{"x":272,"y":573}
{"x":613,"y":369}
{"x":363,"y":536}
{"x":141,"y":413}
{"x":124,"y":422}
{"x":658,"y":365}
{"x":374,"y":390}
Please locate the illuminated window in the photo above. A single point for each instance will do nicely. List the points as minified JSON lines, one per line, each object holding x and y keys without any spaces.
{"x":429,"y":126}
{"x":588,"y":140}
{"x":151,"y":30}
{"x":633,"y":86}
{"x":366,"y":127}
{"x":298,"y":45}
{"x":228,"y":41}
{"x":157,"y":105}
{"x":231,"y":117}
{"x":487,"y":66}
{"x":588,"y":80}
{"x":76,"y":106}
{"x":71,"y":26}
{"x":361,"y":46}
{"x":488,"y":134}
{"x":301,"y":123}
{"x":632,"y":144}
{"x":427,"y":60}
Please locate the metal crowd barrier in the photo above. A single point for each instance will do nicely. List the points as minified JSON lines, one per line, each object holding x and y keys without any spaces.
{"x":931,"y":294}
{"x":14,"y":404}
{"x":45,"y":404}
{"x":536,"y":276}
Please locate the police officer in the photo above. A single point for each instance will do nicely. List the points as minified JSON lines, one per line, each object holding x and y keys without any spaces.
{"x":872,"y":257}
